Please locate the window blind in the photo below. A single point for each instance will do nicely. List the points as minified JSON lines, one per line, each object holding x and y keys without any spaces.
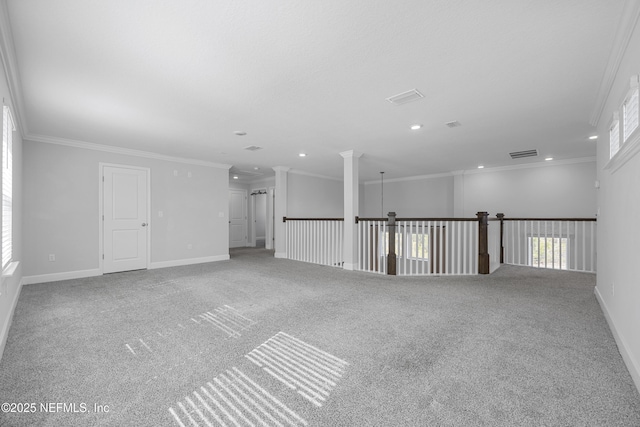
{"x":631,"y":114}
{"x":614,"y":138}
{"x":7,"y":186}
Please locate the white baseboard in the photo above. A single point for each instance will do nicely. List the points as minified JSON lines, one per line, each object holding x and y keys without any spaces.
{"x":632,"y":366}
{"x":349,"y":266}
{"x":55,"y":277}
{"x":81,"y":274}
{"x":280,"y":255}
{"x":189,"y":261}
{"x":4,"y":333}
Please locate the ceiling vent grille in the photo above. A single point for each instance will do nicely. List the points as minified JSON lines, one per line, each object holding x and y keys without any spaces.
{"x":453,"y":124}
{"x":521,"y":154}
{"x":253,"y":148}
{"x":405,"y":97}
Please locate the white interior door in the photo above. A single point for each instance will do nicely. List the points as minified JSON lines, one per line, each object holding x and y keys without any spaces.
{"x":237,"y":218}
{"x":125,"y":219}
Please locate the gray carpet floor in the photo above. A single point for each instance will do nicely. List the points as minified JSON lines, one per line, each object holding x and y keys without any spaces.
{"x":263,"y":341}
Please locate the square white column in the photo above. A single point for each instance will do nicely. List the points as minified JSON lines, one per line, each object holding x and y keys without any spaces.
{"x":280,"y":210}
{"x":351,"y":208}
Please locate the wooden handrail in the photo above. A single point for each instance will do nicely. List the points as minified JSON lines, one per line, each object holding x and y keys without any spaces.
{"x":358,"y":219}
{"x":500,"y":217}
{"x":550,"y":219}
{"x":285,"y":219}
{"x":438,"y":219}
{"x":418,"y":219}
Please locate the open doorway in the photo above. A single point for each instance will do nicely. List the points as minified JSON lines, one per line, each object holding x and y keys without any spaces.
{"x":259,"y":213}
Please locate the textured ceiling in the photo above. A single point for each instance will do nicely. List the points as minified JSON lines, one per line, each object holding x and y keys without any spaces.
{"x":179,"y":77}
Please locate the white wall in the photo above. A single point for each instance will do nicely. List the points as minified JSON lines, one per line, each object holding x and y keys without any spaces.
{"x":61,"y":201}
{"x":238,"y":186}
{"x":618,"y":283}
{"x":427,"y":197}
{"x":314,"y":197}
{"x":560,"y":190}
{"x":10,"y":286}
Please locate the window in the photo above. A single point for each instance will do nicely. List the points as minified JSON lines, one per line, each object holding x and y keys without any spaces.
{"x":614,"y":136}
{"x":384,"y":244}
{"x":548,"y":252}
{"x":624,"y":137}
{"x":418,"y":246}
{"x":7,"y":186}
{"x":630,"y":110}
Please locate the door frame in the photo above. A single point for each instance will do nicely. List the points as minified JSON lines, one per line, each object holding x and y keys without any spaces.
{"x":101,"y":167}
{"x":269,"y":226}
{"x":245,"y":207}
{"x":254,"y":217}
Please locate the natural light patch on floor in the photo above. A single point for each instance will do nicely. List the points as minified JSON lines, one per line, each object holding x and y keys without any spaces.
{"x":233,"y":399}
{"x":228,"y":320}
{"x":225,"y":319}
{"x":300,"y":366}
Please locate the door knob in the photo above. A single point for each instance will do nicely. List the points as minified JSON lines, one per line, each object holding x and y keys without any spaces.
{"x":144,"y":224}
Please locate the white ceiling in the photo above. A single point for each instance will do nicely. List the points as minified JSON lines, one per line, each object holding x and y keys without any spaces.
{"x":178,"y":77}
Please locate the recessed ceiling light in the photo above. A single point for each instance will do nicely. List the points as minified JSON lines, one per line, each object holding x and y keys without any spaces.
{"x":592,"y":137}
{"x":480,"y":167}
{"x":302,"y":155}
{"x":415,"y":127}
{"x":240,"y":133}
{"x":549,"y":158}
{"x":256,"y":168}
{"x":235,"y":177}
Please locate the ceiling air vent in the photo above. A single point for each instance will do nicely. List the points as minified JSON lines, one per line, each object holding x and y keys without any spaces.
{"x":253,"y":148}
{"x":521,"y":154}
{"x":405,"y":97}
{"x":453,"y":124}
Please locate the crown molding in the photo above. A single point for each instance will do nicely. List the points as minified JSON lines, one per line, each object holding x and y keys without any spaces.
{"x":265,"y":179}
{"x":124,"y":151}
{"x":10,"y":65}
{"x":532,"y":165}
{"x":626,"y":26}
{"x":489,"y":170}
{"x":412,"y":178}
{"x":315,"y":175}
{"x":281,"y":168}
{"x":351,"y":153}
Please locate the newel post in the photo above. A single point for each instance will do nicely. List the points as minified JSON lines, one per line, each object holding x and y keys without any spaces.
{"x":391,"y":257}
{"x":483,"y":242}
{"x":500,"y":216}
